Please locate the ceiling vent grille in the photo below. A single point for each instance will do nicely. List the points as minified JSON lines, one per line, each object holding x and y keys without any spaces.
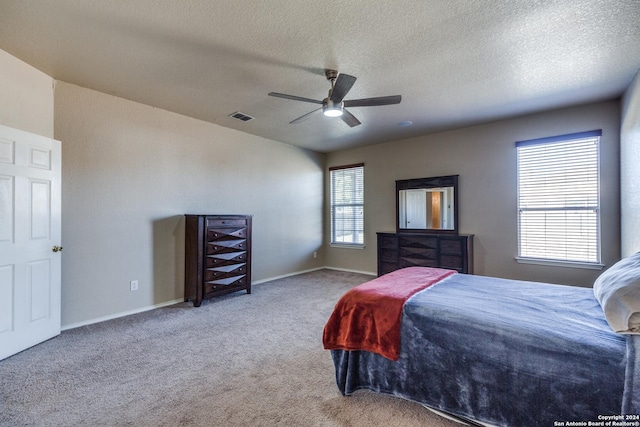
{"x":241,"y":116}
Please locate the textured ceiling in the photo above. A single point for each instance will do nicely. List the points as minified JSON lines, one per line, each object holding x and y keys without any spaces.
{"x":455,"y":62}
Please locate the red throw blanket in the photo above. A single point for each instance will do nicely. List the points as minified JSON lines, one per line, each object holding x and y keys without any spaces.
{"x":368,"y":316}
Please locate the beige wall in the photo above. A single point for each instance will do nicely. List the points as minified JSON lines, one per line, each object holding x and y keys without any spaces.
{"x":130,"y":173}
{"x":485,"y":158}
{"x":630,"y":169}
{"x":26,"y":97}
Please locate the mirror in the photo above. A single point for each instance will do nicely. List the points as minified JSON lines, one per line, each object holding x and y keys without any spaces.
{"x":427,"y":204}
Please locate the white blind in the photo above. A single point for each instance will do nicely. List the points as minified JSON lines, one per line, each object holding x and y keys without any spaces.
{"x":558,"y":198}
{"x":347,"y":205}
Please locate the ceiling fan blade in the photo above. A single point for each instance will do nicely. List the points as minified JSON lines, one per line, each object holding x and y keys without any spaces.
{"x":305,"y":117}
{"x":349,"y":118}
{"x":294,"y":98}
{"x":343,"y":84}
{"x":371,"y":102}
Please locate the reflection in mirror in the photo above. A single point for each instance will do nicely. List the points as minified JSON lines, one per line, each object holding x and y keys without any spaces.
{"x":427,"y":205}
{"x":426,"y":208}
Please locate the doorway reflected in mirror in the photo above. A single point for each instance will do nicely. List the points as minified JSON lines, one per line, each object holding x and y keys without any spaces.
{"x":427,"y":204}
{"x":426,"y":208}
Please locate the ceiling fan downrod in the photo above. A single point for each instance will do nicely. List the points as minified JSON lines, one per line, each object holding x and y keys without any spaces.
{"x":331,"y":76}
{"x":330,"y":108}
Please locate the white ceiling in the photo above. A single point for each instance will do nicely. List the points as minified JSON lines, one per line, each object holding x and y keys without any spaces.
{"x":455,"y":62}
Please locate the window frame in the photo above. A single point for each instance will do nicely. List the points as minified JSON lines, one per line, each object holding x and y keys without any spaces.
{"x":597,"y":240}
{"x":333,"y":205}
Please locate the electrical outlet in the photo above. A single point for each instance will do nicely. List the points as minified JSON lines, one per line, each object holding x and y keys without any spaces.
{"x":134,"y":285}
{"x":315,"y":254}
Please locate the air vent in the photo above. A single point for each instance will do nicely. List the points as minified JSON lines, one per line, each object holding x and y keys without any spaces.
{"x":241,"y":116}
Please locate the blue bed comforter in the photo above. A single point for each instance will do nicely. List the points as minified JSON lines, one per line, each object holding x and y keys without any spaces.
{"x":504,"y":352}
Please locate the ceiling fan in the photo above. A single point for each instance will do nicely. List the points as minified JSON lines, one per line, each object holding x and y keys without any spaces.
{"x":334,"y":104}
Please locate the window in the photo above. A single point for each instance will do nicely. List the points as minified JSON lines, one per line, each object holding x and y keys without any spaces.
{"x":559,"y":199}
{"x":347,"y":205}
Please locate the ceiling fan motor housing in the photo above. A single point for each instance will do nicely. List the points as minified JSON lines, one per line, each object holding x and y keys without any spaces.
{"x":331,"y":74}
{"x":332,"y":109}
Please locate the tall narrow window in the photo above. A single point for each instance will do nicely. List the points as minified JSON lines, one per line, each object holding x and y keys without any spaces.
{"x":347,"y":205}
{"x":559,"y":199}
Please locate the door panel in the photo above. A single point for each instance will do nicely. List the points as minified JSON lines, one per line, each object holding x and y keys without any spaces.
{"x":30,"y":222}
{"x":6,"y":208}
{"x":40,"y":214}
{"x":6,"y":298}
{"x":39,"y":286}
{"x":417,"y":209}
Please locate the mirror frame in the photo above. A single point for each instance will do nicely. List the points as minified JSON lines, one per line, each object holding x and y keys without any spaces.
{"x":433,"y":182}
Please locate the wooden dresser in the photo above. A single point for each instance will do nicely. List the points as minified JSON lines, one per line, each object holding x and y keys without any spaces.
{"x":399,"y":250}
{"x":217,"y":256}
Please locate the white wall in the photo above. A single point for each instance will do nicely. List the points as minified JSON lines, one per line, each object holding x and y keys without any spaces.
{"x":130,"y":173}
{"x":485,"y":158}
{"x":26,"y":97}
{"x":630,"y":169}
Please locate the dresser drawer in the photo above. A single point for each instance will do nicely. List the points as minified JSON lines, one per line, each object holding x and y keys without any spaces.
{"x":218,"y":260}
{"x":452,"y":261}
{"x":212,"y":274}
{"x":226,"y":233}
{"x":419,"y":253}
{"x":451,"y":246}
{"x":388,"y":255}
{"x":224,"y":285}
{"x":417,"y":262}
{"x":419,"y":242}
{"x":226,"y":246}
{"x":387,"y":242}
{"x":226,"y":222}
{"x":387,"y":267}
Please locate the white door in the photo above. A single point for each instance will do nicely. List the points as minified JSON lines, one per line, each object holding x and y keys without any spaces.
{"x":30,"y":258}
{"x":416,"y":209}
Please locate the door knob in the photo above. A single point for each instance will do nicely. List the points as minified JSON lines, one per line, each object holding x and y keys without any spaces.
{"x":57,"y":249}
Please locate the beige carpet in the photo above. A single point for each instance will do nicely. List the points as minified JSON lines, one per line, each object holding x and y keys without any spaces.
{"x":239,"y":360}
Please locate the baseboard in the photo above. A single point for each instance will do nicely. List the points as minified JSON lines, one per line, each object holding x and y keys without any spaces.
{"x":309,"y":271}
{"x":348,"y":270}
{"x":164,"y":304}
{"x":121,"y":314}
{"x":295,"y":273}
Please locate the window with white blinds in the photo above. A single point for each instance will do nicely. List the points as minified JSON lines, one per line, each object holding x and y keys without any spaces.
{"x":347,"y":205}
{"x":559,"y":198}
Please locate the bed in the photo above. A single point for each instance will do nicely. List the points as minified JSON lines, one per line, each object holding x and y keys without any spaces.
{"x":494,"y":351}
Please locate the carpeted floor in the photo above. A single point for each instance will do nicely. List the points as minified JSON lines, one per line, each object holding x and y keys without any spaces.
{"x":238,"y":360}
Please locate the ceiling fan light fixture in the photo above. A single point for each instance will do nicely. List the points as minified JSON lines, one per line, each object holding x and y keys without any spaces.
{"x":331,"y":109}
{"x":332,"y":112}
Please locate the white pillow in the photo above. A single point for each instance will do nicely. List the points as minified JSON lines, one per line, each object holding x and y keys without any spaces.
{"x":618,"y":292}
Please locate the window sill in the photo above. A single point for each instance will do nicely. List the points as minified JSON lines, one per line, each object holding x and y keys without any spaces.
{"x":346,"y":246}
{"x":557,"y":263}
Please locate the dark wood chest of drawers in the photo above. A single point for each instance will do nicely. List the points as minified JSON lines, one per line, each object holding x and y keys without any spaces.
{"x":217,"y":256}
{"x":399,"y":250}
